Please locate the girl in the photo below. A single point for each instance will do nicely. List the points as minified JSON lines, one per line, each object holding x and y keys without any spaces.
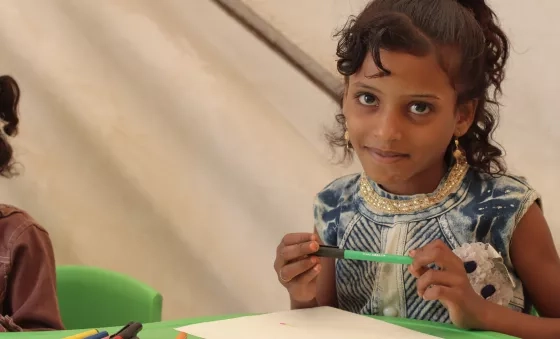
{"x":27,"y":281}
{"x":421,"y":81}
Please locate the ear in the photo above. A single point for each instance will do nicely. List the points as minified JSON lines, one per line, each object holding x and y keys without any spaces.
{"x":465,"y":117}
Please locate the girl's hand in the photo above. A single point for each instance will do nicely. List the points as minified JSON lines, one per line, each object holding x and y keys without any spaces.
{"x":450,"y":284}
{"x":296,"y":267}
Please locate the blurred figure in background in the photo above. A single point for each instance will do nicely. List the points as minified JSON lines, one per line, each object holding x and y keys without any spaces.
{"x":28,"y":300}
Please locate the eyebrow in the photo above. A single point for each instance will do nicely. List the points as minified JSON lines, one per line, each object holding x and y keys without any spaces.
{"x":416,"y":95}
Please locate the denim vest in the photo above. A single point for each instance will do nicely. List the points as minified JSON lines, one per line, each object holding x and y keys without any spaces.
{"x":483,"y":208}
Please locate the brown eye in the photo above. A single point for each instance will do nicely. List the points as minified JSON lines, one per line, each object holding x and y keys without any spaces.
{"x":367,"y":99}
{"x":420,"y":108}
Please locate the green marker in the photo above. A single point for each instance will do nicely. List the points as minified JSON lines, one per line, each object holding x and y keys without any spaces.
{"x":338,"y":253}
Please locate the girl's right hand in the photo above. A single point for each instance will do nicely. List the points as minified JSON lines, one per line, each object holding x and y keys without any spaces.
{"x":295,"y":266}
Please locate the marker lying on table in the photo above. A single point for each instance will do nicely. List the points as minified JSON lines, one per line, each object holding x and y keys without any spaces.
{"x":129,"y":331}
{"x":338,"y":253}
{"x":83,"y":335}
{"x":100,"y":335}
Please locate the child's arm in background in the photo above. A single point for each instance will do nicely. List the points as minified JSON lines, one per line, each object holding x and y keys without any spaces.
{"x":31,"y":299}
{"x":537,"y":264}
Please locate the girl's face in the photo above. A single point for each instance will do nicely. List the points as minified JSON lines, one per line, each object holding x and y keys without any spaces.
{"x":400,"y":125}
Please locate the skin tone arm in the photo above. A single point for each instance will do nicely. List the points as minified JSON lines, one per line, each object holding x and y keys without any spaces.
{"x":537,"y":263}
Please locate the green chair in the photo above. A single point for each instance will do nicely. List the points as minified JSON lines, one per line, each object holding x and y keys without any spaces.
{"x":91,"y":297}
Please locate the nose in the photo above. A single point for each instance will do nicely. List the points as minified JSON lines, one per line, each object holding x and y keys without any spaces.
{"x":388,"y":124}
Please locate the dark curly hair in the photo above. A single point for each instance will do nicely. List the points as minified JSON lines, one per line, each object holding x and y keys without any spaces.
{"x":471,"y":48}
{"x":9,"y":99}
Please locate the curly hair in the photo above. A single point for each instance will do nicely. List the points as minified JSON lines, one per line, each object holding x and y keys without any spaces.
{"x":9,"y":99}
{"x":469,"y":44}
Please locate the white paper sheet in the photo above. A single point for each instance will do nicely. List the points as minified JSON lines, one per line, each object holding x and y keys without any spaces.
{"x":320,"y":322}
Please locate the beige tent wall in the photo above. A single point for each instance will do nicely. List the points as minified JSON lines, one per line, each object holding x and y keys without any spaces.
{"x":163,"y":140}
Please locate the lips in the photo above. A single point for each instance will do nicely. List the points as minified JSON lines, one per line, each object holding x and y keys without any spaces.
{"x":386,"y":156}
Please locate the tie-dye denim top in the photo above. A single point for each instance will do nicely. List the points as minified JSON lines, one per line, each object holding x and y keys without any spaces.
{"x":482,"y":208}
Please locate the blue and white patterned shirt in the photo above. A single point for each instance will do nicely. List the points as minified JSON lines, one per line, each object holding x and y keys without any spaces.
{"x":483,"y":208}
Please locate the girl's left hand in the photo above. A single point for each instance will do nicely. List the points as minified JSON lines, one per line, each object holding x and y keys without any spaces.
{"x":450,"y":284}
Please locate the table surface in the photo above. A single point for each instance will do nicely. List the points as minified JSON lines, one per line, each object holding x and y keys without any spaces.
{"x":166,"y":329}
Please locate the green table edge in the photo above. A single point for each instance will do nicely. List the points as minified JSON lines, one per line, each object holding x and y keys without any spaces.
{"x":170,"y":325}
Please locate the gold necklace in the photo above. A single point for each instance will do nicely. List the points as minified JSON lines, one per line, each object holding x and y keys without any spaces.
{"x":377,"y":202}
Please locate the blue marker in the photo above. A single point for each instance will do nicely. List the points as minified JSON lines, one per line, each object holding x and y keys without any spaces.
{"x":99,"y":335}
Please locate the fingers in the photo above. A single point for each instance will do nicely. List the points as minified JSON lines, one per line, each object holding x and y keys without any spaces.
{"x":287,"y":253}
{"x":293,"y":256}
{"x":417,"y":273}
{"x":308,"y":276}
{"x":442,"y":293}
{"x":435,"y":278}
{"x":297,"y":238}
{"x":292,"y":270}
{"x":434,"y":283}
{"x":438,"y":253}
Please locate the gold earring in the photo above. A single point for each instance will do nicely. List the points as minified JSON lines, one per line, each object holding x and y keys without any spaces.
{"x":458,"y":153}
{"x":346,"y":136}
